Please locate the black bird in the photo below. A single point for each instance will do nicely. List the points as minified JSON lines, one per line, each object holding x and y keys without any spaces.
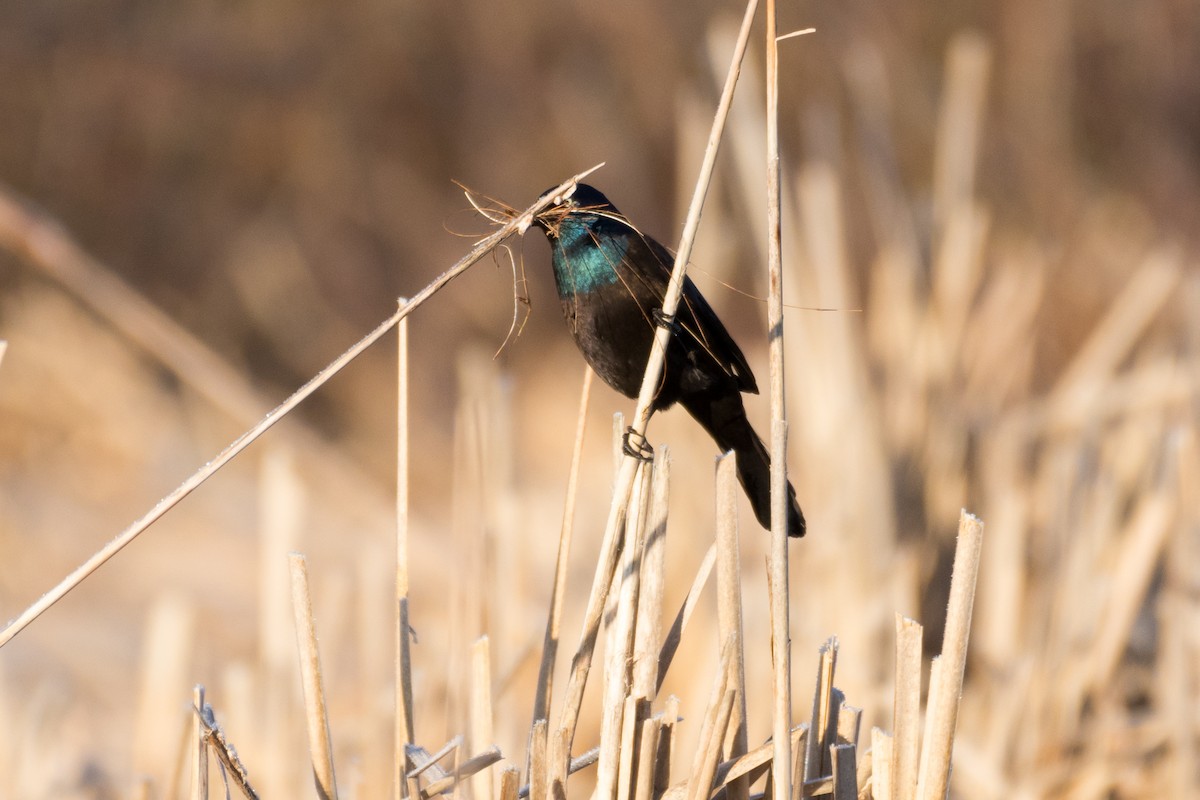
{"x":612,"y":279}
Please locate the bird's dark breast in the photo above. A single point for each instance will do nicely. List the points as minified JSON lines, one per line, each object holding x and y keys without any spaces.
{"x":613,"y":332}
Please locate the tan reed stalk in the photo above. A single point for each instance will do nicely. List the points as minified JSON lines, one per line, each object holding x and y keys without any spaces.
{"x":3,"y":350}
{"x":849,"y":723}
{"x":10,"y":738}
{"x":508,"y":543}
{"x":510,"y":782}
{"x":848,"y":731}
{"x":232,"y":768}
{"x":162,"y":677}
{"x":960,"y":123}
{"x":282,"y":510}
{"x":1178,"y":617}
{"x":671,"y":643}
{"x":473,"y":766}
{"x":1139,"y":550}
{"x":369,"y":584}
{"x":633,"y":715}
{"x":711,"y":747}
{"x":611,"y":631}
{"x":618,"y":435}
{"x":653,"y":747}
{"x":823,"y":710}
{"x":320,"y":745}
{"x":845,"y":773}
{"x":882,"y":769}
{"x":781,"y":658}
{"x":668,"y":734}
{"x":831,"y":734}
{"x":935,"y":682}
{"x":943,"y":704}
{"x":428,"y":762}
{"x":647,"y":766}
{"x":864,"y":765}
{"x":451,"y":781}
{"x":468,"y":533}
{"x":181,"y":769}
{"x":751,"y":767}
{"x":581,"y":662}
{"x":539,"y":768}
{"x":729,"y":609}
{"x":560,"y":763}
{"x":714,"y":726}
{"x":620,"y":639}
{"x":906,"y":711}
{"x":482,"y":732}
{"x":403,"y":730}
{"x":199,"y":770}
{"x":1002,"y":600}
{"x":650,"y":597}
{"x":957,"y":272}
{"x":545,"y":684}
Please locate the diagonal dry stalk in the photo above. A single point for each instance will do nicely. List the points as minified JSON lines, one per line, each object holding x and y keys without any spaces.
{"x":545,"y":683}
{"x":942,"y":711}
{"x":515,"y":225}
{"x":315,"y":702}
{"x":212,"y":737}
{"x":610,"y":547}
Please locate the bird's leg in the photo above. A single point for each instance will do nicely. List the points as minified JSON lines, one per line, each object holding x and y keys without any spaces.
{"x":635,"y":444}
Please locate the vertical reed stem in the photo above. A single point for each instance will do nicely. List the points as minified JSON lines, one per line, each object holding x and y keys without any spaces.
{"x":403,"y":734}
{"x":780,"y":618}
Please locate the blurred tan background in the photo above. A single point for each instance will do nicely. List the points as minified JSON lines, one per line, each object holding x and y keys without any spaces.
{"x":975,"y":191}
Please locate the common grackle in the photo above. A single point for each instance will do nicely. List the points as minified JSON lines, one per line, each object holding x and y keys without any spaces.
{"x":612,"y":279}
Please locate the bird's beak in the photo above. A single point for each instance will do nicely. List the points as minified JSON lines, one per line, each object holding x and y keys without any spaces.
{"x":559,"y":199}
{"x":549,"y":219}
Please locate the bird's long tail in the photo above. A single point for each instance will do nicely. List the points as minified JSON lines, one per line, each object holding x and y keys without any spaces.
{"x":724,"y":417}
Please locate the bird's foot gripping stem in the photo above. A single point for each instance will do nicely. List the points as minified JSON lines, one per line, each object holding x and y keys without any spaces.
{"x":635,"y":444}
{"x":663,"y":321}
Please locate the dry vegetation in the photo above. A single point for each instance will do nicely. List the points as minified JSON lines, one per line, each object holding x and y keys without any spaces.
{"x":1007,"y":267}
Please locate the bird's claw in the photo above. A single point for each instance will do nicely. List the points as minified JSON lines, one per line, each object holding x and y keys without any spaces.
{"x":664,"y":321}
{"x":634,"y":444}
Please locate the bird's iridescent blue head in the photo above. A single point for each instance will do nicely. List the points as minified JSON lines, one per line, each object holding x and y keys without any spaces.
{"x":588,"y":239}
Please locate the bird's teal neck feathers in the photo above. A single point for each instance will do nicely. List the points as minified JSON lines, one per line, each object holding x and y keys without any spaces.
{"x":583,"y":261}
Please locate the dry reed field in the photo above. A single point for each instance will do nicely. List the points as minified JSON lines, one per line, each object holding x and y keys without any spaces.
{"x":438,"y":574}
